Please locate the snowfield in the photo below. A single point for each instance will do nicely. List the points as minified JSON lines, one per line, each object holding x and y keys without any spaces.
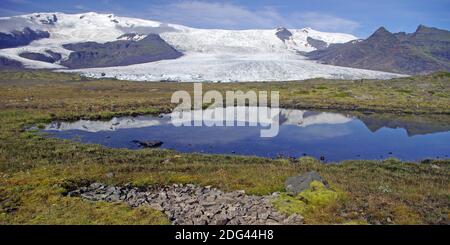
{"x":209,"y":54}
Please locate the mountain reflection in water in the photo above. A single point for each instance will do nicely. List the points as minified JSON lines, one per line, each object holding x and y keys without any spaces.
{"x":335,"y":136}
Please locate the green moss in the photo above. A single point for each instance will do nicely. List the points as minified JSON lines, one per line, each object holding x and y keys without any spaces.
{"x":318,"y":196}
{"x":289,"y":205}
{"x":314,"y":201}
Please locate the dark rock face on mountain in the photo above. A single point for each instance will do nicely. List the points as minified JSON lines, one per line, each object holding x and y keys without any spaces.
{"x":51,"y":56}
{"x":54,"y":55}
{"x":129,"y":36}
{"x":316,"y":43}
{"x":6,"y":63}
{"x":21,"y":38}
{"x":424,"y":51}
{"x":283,"y":34}
{"x":119,"y":53}
{"x":48,"y":20}
{"x":37,"y":56}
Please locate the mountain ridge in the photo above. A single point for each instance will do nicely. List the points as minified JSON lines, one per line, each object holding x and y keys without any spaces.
{"x":424,"y":51}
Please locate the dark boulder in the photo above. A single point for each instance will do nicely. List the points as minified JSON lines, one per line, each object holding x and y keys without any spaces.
{"x":148,"y":143}
{"x":297,"y":184}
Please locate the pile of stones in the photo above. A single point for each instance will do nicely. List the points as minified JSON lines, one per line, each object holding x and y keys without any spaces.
{"x":188,"y":204}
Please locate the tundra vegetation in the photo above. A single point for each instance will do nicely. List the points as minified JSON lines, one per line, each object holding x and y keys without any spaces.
{"x":36,"y":171}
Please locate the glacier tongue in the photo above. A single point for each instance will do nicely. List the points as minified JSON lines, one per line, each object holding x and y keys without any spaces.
{"x":200,"y":67}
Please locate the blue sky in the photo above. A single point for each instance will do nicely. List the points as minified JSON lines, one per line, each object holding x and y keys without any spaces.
{"x":358,"y":17}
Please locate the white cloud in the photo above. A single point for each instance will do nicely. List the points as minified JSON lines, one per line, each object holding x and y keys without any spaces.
{"x":232,"y":16}
{"x":325,"y":22}
{"x":210,"y":15}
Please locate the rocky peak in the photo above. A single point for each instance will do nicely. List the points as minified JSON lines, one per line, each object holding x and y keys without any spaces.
{"x":381,"y":35}
{"x":425,"y":30}
{"x":381,"y":31}
{"x":422,"y":28}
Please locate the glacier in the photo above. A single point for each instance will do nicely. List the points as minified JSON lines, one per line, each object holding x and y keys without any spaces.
{"x":209,"y":55}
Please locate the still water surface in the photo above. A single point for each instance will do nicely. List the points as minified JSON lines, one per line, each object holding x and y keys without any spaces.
{"x":332,"y":136}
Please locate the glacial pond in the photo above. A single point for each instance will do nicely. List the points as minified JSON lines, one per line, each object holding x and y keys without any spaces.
{"x":328,"y":136}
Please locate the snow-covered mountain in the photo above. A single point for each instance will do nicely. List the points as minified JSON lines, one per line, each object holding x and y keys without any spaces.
{"x":61,"y":41}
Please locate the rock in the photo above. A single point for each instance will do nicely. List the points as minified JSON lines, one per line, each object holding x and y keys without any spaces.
{"x":165,"y":161}
{"x":115,"y":197}
{"x":96,"y":186}
{"x":272,"y":222}
{"x":275,"y":216}
{"x":294,"y":219}
{"x":199,"y":221}
{"x":148,"y":144}
{"x":156,"y":206}
{"x":263,"y":216}
{"x":110,"y":190}
{"x":110,"y":175}
{"x":297,"y":184}
{"x":163,"y":196}
{"x":435,"y":166}
{"x":75,"y":193}
{"x":220,"y":220}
